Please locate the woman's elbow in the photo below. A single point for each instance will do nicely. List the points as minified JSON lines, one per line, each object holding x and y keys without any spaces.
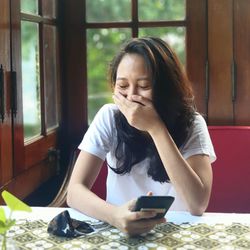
{"x":198,"y":210}
{"x":69,"y":196}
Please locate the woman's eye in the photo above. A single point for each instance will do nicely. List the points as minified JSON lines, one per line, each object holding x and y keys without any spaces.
{"x":144,"y":87}
{"x":123,"y":86}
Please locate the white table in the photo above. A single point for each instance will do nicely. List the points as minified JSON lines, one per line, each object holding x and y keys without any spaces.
{"x":177,"y":217}
{"x":183,"y":231}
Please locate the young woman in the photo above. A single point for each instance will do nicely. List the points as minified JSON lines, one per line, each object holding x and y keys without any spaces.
{"x":152,"y":138}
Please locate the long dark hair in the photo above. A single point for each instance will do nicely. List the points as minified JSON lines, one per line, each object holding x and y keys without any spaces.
{"x":172,"y":98}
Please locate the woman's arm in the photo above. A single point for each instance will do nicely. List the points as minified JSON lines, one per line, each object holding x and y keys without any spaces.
{"x":83,"y":199}
{"x":192,"y":178}
{"x":86,"y":170}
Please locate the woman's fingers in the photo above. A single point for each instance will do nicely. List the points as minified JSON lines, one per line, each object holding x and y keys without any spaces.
{"x":136,"y":222}
{"x":141,"y":100}
{"x":120,"y":98}
{"x":144,"y":215}
{"x":136,"y":99}
{"x":139,"y":215}
{"x":138,"y":111}
{"x":131,"y":204}
{"x":144,"y":226}
{"x":123,"y":104}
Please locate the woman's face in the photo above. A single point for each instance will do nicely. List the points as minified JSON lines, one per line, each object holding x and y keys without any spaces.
{"x":133,"y":77}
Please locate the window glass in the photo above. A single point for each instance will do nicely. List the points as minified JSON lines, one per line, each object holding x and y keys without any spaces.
{"x":174,"y":36}
{"x":31,"y":79}
{"x":107,"y":11}
{"x":157,"y":10}
{"x":50,"y":76}
{"x":29,"y":6}
{"x":102,"y":45}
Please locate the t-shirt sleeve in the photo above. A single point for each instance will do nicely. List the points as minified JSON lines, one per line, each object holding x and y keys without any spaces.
{"x":198,"y":141}
{"x":98,"y":138}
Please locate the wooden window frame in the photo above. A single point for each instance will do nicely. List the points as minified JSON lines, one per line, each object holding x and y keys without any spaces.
{"x":46,"y":140}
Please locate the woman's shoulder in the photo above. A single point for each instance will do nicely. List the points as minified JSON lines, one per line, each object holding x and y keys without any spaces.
{"x":198,"y":140}
{"x":107,"y":110}
{"x":199,"y":120}
{"x":109,"y":107}
{"x":98,"y":140}
{"x":104,"y":118}
{"x":198,"y":128}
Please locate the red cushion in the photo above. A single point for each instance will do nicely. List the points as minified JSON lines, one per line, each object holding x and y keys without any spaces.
{"x":231,"y":170}
{"x":99,"y":186}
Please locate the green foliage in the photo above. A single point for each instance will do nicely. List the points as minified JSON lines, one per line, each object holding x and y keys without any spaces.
{"x":30,"y":130}
{"x":174,"y":36}
{"x":161,"y":10}
{"x":28,"y":6}
{"x":14,"y":204}
{"x":108,"y":10}
{"x":102,"y":44}
{"x":5,"y":224}
{"x":31,"y":78}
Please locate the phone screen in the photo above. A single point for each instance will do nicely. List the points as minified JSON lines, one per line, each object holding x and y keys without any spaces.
{"x":158,"y":204}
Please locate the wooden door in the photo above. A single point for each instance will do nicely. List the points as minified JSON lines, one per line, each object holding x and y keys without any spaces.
{"x":196,"y":47}
{"x":229,"y":62}
{"x":29,"y":48}
{"x":220,"y":57}
{"x":241,"y":76}
{"x":6,"y":166}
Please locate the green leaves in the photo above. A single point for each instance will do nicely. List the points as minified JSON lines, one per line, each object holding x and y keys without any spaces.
{"x":4,"y":227}
{"x":5,"y":224}
{"x":14,"y":203}
{"x":2,"y":215}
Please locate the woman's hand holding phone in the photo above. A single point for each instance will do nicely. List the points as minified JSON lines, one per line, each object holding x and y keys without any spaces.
{"x":134,"y":222}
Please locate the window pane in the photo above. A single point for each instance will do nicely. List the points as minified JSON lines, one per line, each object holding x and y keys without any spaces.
{"x":102,"y":45}
{"x":175,"y":36}
{"x":49,"y":8}
{"x":106,"y":11}
{"x":157,"y":10}
{"x":50,"y":76}
{"x":31,"y":79}
{"x":28,"y":6}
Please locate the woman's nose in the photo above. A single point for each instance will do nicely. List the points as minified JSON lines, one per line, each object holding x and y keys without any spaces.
{"x":131,"y":91}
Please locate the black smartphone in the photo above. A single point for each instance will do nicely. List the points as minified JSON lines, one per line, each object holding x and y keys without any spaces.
{"x":158,"y":204}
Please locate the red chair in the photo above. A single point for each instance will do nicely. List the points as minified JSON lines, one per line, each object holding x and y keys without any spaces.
{"x":99,"y":186}
{"x":231,"y":170}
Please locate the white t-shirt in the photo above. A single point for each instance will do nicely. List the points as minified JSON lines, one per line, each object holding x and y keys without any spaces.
{"x":100,"y":140}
